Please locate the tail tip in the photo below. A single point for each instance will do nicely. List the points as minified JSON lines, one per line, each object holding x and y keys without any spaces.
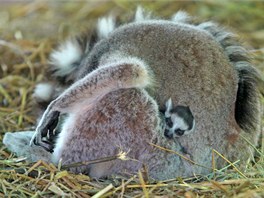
{"x":65,"y":56}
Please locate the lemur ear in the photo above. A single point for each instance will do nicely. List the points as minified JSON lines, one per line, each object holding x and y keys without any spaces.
{"x":169,"y":105}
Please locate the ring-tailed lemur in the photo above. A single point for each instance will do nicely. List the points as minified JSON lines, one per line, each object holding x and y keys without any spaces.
{"x":124,"y":78}
{"x":179,"y":120}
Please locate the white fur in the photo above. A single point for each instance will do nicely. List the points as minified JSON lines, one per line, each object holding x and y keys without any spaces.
{"x":63,"y":138}
{"x":43,"y":91}
{"x":141,"y":14}
{"x":63,"y":58}
{"x":181,"y":17}
{"x":168,"y":107}
{"x":178,"y":123}
{"x":105,"y":26}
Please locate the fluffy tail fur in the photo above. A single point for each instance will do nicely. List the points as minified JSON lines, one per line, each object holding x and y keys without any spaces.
{"x":247,"y":102}
{"x":66,"y":58}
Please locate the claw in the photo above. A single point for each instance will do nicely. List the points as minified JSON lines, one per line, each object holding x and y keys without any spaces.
{"x":54,"y":132}
{"x":46,"y":128}
{"x":46,"y":145}
{"x":48,"y":134}
{"x":51,"y":126}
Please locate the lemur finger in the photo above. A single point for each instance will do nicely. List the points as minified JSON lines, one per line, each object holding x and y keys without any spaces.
{"x":46,"y":145}
{"x":48,"y":124}
{"x":36,"y":138}
{"x":51,"y":127}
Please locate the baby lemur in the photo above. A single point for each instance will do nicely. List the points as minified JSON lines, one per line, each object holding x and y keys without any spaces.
{"x":179,"y":120}
{"x":125,"y":74}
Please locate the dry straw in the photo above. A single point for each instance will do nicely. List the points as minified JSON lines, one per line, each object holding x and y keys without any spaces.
{"x":28,"y":33}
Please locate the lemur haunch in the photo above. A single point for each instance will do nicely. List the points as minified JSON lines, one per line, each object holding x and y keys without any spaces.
{"x":125,"y":74}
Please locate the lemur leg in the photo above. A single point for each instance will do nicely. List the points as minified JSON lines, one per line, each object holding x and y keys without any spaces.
{"x":125,"y":73}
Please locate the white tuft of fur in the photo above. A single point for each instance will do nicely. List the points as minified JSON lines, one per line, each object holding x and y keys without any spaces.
{"x":105,"y":26}
{"x":63,"y":58}
{"x":64,"y":137}
{"x":43,"y":92}
{"x":141,"y":14}
{"x":169,"y":107}
{"x":181,"y":17}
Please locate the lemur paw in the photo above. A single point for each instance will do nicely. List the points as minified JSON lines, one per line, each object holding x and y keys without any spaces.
{"x":45,"y":131}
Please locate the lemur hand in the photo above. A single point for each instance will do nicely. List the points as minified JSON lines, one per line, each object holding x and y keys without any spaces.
{"x":45,"y":130}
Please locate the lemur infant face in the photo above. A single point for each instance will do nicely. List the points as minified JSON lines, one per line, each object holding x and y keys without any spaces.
{"x":179,"y":120}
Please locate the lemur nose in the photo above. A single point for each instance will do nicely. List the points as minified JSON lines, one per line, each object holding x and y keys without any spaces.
{"x":167,"y":134}
{"x":179,"y":132}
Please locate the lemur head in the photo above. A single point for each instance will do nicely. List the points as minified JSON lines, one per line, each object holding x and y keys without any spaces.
{"x":179,"y":120}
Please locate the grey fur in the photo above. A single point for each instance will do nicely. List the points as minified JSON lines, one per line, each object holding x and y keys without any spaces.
{"x":247,"y":111}
{"x":197,"y":66}
{"x":18,"y":142}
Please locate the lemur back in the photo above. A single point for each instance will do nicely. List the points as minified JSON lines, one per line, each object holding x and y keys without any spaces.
{"x":185,"y":62}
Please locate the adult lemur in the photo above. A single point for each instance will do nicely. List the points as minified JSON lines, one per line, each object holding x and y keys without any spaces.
{"x":126,"y":74}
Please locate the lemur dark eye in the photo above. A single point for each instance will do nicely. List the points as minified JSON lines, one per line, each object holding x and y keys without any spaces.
{"x":169,"y":122}
{"x":179,"y":132}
